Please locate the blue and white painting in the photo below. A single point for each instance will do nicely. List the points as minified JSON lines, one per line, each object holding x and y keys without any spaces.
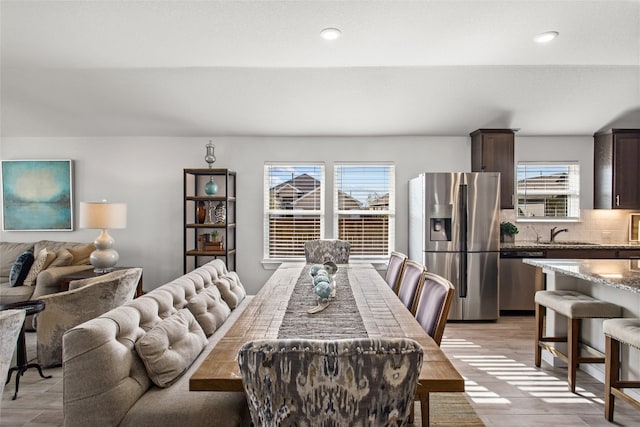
{"x":36,"y":195}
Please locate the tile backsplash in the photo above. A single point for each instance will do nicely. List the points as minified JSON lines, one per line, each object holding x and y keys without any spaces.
{"x":597,"y":225}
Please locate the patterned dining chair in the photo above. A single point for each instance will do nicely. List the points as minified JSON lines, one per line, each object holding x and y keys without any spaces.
{"x":322,"y":250}
{"x":365,"y":382}
{"x":410,"y":283}
{"x":394,"y":270}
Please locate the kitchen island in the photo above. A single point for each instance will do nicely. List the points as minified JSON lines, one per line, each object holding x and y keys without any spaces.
{"x":613,"y":280}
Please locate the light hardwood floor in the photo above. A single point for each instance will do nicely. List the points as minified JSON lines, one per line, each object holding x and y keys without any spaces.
{"x":495,"y":358}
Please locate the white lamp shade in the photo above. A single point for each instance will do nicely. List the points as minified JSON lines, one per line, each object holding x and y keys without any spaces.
{"x":103,"y":215}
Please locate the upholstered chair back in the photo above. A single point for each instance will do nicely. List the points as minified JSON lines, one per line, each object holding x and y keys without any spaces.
{"x":361,"y":382}
{"x":85,"y":299}
{"x":319,"y":251}
{"x":410,"y":283}
{"x":10,"y":325}
{"x":394,"y":270}
{"x":433,"y":304}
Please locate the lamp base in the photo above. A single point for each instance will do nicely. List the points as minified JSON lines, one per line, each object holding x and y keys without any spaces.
{"x":104,"y":258}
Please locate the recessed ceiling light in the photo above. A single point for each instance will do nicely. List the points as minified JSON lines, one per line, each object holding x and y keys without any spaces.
{"x":330,"y":33}
{"x":546,"y":37}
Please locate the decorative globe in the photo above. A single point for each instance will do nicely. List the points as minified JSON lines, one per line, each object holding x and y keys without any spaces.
{"x":323,"y":290}
{"x":211,"y":187}
{"x":320,"y":278}
{"x":322,"y":272}
{"x":314,"y":269}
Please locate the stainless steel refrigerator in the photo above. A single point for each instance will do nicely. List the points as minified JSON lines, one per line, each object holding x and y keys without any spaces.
{"x":454,"y":229}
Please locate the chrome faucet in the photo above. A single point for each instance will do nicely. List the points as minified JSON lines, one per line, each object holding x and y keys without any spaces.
{"x":555,"y":232}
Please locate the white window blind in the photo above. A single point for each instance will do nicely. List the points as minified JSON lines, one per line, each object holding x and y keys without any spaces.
{"x":548,"y":190}
{"x":294,"y":208}
{"x":364,"y":208}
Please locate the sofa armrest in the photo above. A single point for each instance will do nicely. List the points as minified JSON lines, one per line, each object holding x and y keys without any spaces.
{"x":48,"y":281}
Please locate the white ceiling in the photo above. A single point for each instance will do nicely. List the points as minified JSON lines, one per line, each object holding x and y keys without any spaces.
{"x":210,"y":68}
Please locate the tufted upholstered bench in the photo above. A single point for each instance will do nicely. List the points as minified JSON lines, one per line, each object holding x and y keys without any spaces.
{"x":575,"y":306}
{"x":130,"y":367}
{"x":617,"y":331}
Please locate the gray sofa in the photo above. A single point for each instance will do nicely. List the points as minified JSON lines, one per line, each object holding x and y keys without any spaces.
{"x":70,"y":257}
{"x":131,"y":366}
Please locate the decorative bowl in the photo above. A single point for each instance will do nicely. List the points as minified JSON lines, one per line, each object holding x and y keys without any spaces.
{"x":330,"y":267}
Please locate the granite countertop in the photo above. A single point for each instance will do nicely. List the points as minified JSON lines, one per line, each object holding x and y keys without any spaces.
{"x":622,"y":274}
{"x":569,"y":245}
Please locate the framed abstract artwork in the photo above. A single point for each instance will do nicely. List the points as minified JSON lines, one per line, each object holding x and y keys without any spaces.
{"x":37,"y":195}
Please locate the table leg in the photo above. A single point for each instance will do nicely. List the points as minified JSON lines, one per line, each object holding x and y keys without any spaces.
{"x":22,"y":363}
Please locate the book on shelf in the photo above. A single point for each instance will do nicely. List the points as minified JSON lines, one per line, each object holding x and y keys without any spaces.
{"x":213,"y":246}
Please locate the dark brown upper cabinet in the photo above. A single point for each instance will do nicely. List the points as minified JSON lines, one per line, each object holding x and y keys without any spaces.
{"x":616,"y":174}
{"x":492,"y":151}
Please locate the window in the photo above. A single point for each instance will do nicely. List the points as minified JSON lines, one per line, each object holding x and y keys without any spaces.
{"x":364,"y":208}
{"x":294,"y":208}
{"x":548,"y":190}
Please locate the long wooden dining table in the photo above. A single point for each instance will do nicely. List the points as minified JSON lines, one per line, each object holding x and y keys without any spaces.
{"x":364,"y":306}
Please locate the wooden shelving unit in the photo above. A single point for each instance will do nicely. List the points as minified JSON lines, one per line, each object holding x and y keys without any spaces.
{"x":198,"y":229}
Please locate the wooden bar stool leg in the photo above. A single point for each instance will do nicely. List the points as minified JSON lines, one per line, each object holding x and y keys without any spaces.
{"x":540,"y":313}
{"x":573,"y":335}
{"x":611,"y":374}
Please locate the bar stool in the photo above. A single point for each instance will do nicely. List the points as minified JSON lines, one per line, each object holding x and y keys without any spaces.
{"x":616,"y":331}
{"x":575,"y":307}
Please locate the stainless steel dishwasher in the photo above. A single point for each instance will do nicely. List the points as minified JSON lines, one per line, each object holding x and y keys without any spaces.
{"x":519,"y":281}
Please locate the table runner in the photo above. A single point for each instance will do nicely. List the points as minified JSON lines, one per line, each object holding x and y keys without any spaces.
{"x":341,"y":319}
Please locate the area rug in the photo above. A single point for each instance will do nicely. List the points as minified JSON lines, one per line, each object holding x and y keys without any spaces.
{"x":450,"y":410}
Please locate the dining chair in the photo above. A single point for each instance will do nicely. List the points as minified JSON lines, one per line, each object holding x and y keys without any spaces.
{"x":394,"y":270}
{"x":431,"y":311}
{"x":410,"y":283}
{"x":322,"y":250}
{"x":364,"y":381}
{"x":433,"y":304}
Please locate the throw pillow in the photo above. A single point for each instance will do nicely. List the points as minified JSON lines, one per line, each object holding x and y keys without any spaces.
{"x":63,"y":258}
{"x":170,"y":347}
{"x":20,"y":268}
{"x":209,"y":309}
{"x":42,"y":261}
{"x":230,"y":288}
{"x":81,"y":253}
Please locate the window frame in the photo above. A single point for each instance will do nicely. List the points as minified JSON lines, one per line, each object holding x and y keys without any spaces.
{"x":390,"y":212}
{"x":269,"y":212}
{"x":572,"y":192}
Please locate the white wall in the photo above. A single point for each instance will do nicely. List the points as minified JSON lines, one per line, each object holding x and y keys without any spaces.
{"x":146,"y":173}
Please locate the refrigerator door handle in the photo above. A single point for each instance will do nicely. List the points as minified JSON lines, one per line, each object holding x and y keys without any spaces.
{"x":463,"y":240}
{"x":462,"y":288}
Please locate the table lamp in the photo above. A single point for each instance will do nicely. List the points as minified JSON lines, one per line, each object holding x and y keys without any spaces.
{"x":103,"y":215}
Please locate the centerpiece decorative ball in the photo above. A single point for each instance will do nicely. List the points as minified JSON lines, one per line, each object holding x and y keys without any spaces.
{"x":323,"y":289}
{"x":315,"y":268}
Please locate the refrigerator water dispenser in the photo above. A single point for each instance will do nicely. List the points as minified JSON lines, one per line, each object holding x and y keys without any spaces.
{"x":440,"y":223}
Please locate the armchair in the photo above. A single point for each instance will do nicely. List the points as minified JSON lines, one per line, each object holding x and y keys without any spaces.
{"x":85,"y":300}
